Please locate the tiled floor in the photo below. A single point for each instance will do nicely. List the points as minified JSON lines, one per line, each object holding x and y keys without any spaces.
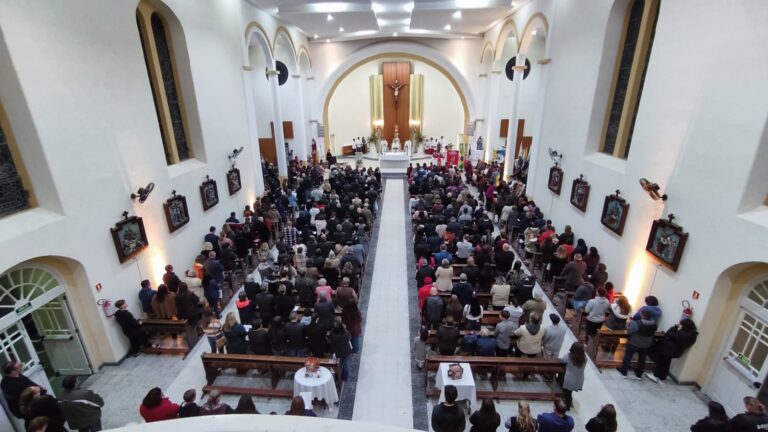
{"x":383,"y":390}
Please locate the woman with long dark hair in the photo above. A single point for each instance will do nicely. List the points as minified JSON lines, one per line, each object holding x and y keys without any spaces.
{"x":246,"y":406}
{"x":605,"y":420}
{"x":297,"y":408}
{"x":473,"y":313}
{"x":486,"y":419}
{"x":716,"y":421}
{"x":157,"y":407}
{"x":353,"y":320}
{"x":573,"y":379}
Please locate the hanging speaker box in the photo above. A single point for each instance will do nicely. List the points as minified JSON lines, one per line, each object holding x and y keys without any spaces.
{"x":510,"y":71}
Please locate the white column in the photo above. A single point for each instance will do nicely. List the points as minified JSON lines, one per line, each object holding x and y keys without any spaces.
{"x":282,"y":165}
{"x":300,"y":128}
{"x":253,"y":134}
{"x":492,"y":119}
{"x":509,"y":157}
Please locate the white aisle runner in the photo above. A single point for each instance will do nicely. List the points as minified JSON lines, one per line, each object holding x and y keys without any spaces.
{"x":384,"y":381}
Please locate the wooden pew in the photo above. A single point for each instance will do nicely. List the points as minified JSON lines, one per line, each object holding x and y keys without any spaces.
{"x":499,"y":367}
{"x":165,"y":326}
{"x":615,"y":338}
{"x":275,"y":366}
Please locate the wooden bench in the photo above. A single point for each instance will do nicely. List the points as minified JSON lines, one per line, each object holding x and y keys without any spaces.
{"x":275,"y":367}
{"x":171,"y":327}
{"x":499,"y":367}
{"x":615,"y":338}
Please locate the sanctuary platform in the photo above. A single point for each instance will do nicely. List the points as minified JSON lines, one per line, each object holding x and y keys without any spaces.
{"x":394,"y":162}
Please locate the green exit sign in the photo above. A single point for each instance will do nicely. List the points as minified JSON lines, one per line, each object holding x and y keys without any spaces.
{"x":20,"y":310}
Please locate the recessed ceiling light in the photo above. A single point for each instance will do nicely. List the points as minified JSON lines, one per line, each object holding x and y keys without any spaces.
{"x":457,"y":14}
{"x":329,"y":7}
{"x":447,"y":27}
{"x":408,"y":7}
{"x":533,"y":33}
{"x":394,"y":34}
{"x":315,"y":36}
{"x":341,"y":29}
{"x":376,"y":7}
{"x":327,"y":41}
{"x":512,"y":4}
{"x":462,"y":38}
{"x":329,"y":17}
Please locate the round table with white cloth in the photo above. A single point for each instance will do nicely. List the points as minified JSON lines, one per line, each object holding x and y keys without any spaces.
{"x":464,"y":386}
{"x":322,"y":387}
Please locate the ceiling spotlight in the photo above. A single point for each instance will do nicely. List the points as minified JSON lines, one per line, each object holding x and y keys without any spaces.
{"x":512,"y":4}
{"x":447,"y":27}
{"x":533,"y":33}
{"x":341,"y":29}
{"x":457,"y":14}
{"x":394,"y":34}
{"x":462,"y":38}
{"x":315,"y":36}
{"x":329,"y":17}
{"x":408,"y":7}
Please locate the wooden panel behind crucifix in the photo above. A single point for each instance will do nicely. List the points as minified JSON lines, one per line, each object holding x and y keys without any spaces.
{"x":396,"y":97}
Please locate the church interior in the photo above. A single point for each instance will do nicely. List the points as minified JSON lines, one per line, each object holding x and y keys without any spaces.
{"x":640,"y":125}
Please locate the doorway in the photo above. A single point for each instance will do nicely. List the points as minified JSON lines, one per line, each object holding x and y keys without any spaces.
{"x":743,"y":368}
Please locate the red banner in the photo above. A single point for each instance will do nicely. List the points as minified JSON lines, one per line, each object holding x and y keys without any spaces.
{"x":452,"y":158}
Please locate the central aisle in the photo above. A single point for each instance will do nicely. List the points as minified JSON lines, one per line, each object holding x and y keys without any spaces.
{"x":383,"y":385}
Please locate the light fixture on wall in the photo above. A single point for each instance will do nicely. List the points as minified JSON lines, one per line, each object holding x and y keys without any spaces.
{"x":143,"y":193}
{"x":232,"y":156}
{"x":378,"y":123}
{"x":447,"y":27}
{"x":555,"y":156}
{"x":652,"y":189}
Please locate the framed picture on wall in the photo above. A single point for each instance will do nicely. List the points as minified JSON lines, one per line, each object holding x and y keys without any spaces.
{"x":667,"y":242}
{"x":176,"y":212}
{"x":233,"y":181}
{"x":615,"y":211}
{"x":555,"y":182}
{"x":129,"y":237}
{"x":580,"y":193}
{"x":209,"y":193}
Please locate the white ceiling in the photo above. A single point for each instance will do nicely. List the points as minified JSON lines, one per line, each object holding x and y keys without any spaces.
{"x":362,"y":19}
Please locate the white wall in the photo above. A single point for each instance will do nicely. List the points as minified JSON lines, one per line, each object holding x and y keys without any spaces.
{"x":443,"y":114}
{"x":696,"y":134}
{"x":85,"y":85}
{"x":349,"y":112}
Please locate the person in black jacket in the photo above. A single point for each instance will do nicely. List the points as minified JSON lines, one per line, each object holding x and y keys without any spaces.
{"x":265,"y":303}
{"x":486,"y":419}
{"x":258,"y":338}
{"x":188,"y":305}
{"x":716,"y":421}
{"x":131,"y":328}
{"x":316,"y":331}
{"x":340,"y":342}
{"x":604,"y":421}
{"x":235,"y":334}
{"x":13,"y":384}
{"x":754,"y":419}
{"x":284,"y":303}
{"x":295,"y":333}
{"x":189,"y":408}
{"x":676,"y":341}
{"x":448,"y":337}
{"x":447,"y":416}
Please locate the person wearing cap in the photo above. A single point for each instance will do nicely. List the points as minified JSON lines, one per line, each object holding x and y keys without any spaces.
{"x":81,"y":407}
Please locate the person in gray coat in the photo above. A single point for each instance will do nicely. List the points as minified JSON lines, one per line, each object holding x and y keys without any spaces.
{"x":554,"y":336}
{"x":504,"y":331}
{"x":81,"y":408}
{"x":573,"y":378}
{"x":596,"y":310}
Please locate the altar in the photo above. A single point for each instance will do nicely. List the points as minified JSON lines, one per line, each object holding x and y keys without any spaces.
{"x":394,"y":162}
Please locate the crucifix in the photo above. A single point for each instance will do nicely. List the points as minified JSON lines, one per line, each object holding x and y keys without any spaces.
{"x":396,"y":86}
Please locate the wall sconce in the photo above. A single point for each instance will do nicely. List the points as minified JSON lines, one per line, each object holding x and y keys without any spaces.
{"x":143,"y":193}
{"x":555,"y":156}
{"x":652,"y":189}
{"x":235,"y":153}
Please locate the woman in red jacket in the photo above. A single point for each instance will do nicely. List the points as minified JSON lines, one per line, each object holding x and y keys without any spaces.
{"x":156,"y":407}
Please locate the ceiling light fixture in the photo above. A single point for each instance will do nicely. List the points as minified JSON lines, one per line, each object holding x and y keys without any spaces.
{"x":457,"y":14}
{"x":327,"y":41}
{"x":341,"y":29}
{"x":329,"y":7}
{"x":462,"y":38}
{"x":447,"y":27}
{"x":394,"y":34}
{"x":329,"y":17}
{"x":376,"y":7}
{"x":512,"y":4}
{"x":315,"y":36}
{"x":533,"y":33}
{"x":408,"y":7}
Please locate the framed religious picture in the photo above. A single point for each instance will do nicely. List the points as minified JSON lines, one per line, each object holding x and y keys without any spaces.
{"x":176,"y":212}
{"x":233,"y":181}
{"x":580,"y":193}
{"x":209,"y":193}
{"x":666,"y":242}
{"x":555,"y":182}
{"x":615,"y":211}
{"x":129,"y":237}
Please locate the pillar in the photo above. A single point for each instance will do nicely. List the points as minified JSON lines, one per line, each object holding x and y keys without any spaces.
{"x":509,"y":157}
{"x":282,"y":165}
{"x":300,"y":131}
{"x":492,"y":119}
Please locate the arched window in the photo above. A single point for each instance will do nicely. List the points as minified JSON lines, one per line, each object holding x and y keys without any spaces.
{"x":13,"y":194}
{"x":163,"y":77}
{"x":629,"y":76}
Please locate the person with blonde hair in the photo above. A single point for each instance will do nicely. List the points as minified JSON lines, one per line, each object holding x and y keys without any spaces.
{"x":235,"y":334}
{"x":523,"y":422}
